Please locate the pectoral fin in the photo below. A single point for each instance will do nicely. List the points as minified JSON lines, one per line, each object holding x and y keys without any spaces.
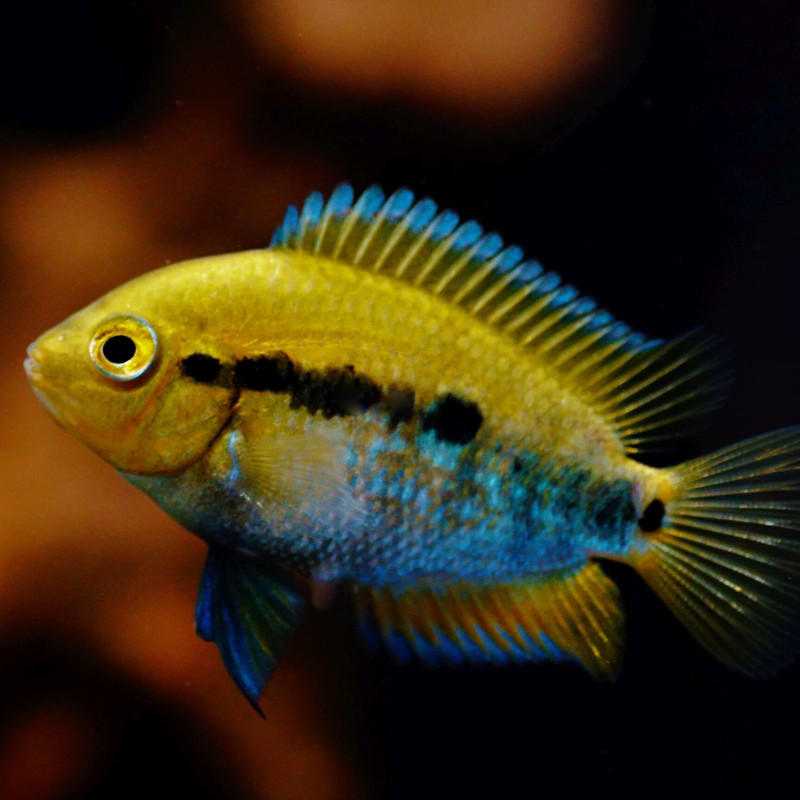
{"x":304,"y":472}
{"x":574,"y":616}
{"x":248,"y":611}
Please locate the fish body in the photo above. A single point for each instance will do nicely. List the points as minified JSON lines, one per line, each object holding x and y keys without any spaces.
{"x":500,"y":504}
{"x":390,"y":401}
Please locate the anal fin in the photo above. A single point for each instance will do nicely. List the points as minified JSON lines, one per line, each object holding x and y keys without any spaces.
{"x":575,"y":617}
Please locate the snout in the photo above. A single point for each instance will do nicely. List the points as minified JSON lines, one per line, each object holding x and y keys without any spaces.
{"x":33,"y":366}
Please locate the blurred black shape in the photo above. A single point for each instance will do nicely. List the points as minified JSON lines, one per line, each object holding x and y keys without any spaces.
{"x":70,"y":65}
{"x":133,"y":745}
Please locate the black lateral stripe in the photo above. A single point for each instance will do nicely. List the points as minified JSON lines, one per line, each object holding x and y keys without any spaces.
{"x":275,"y":373}
{"x":453,"y":419}
{"x":201,"y":368}
{"x":400,"y":403}
{"x":347,"y":393}
{"x":341,"y":392}
{"x":336,"y":392}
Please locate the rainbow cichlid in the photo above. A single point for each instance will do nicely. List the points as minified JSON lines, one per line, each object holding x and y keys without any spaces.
{"x":392,"y":401}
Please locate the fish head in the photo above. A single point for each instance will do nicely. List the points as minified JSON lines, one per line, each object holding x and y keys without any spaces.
{"x":112,"y":376}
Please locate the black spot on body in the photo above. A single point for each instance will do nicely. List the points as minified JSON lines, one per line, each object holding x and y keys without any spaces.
{"x":653,"y":516}
{"x":201,"y":368}
{"x":453,"y":420}
{"x":275,"y":373}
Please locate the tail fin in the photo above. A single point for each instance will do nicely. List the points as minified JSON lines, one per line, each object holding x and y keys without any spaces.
{"x":726,"y":557}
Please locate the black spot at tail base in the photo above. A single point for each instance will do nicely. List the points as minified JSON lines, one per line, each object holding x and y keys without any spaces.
{"x":653,"y":517}
{"x":453,"y":420}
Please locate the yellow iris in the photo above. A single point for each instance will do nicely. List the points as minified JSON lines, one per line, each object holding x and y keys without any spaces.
{"x":123,"y":347}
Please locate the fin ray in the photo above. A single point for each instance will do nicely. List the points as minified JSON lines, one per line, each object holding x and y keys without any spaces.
{"x":248,"y":612}
{"x":728,"y":565}
{"x":575,"y":616}
{"x":302,"y":471}
{"x":644,"y":389}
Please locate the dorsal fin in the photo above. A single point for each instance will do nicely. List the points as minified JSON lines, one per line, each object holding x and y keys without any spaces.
{"x":645,"y":389}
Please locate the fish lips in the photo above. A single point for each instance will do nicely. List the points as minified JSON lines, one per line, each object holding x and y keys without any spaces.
{"x":36,"y":378}
{"x":34,"y":369}
{"x":42,"y":382}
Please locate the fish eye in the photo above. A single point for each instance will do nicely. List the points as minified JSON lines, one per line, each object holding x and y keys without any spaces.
{"x":123,"y":347}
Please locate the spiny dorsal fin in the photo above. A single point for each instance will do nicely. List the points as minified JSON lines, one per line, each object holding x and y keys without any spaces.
{"x":574,"y":617}
{"x":645,"y":389}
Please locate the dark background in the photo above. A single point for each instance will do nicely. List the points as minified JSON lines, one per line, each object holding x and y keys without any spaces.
{"x":662,"y":180}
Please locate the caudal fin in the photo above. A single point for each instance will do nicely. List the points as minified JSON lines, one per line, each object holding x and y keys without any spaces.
{"x":726,"y":556}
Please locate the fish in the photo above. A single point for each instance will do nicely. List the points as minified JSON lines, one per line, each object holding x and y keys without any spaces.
{"x":391,"y":403}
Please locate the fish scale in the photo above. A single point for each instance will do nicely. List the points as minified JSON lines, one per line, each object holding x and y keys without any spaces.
{"x":398,"y":404}
{"x":434,"y":509}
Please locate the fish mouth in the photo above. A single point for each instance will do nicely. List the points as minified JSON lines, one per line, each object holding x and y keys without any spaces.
{"x":36,"y":377}
{"x":33,"y":365}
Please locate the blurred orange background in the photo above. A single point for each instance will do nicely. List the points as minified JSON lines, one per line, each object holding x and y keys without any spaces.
{"x":135,"y":134}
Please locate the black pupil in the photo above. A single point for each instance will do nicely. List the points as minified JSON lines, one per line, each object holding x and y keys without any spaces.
{"x":119,"y":349}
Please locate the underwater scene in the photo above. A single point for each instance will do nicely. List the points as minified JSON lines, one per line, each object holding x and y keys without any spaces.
{"x":443,"y":358}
